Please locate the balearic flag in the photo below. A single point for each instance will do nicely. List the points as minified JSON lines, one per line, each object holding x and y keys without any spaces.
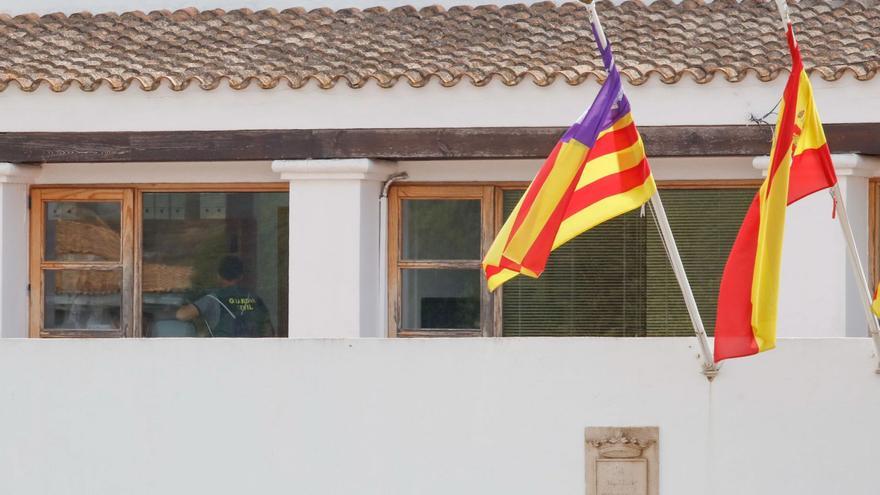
{"x":597,"y":171}
{"x":800,"y":164}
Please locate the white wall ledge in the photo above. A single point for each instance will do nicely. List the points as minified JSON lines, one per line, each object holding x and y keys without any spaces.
{"x":343,"y":169}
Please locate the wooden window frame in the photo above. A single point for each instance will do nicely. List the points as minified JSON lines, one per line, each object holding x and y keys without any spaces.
{"x":873,"y":230}
{"x":131,"y":224}
{"x":398,"y":193}
{"x":38,"y":263}
{"x":492,"y":194}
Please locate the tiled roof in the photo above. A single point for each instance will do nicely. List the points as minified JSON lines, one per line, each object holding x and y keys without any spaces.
{"x":541,"y":43}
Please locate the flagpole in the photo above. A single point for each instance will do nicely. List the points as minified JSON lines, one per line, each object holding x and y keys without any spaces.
{"x":709,"y":367}
{"x":783,"y":12}
{"x":855,"y":261}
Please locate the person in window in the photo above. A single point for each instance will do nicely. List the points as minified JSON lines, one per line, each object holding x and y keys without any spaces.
{"x":230,"y":310}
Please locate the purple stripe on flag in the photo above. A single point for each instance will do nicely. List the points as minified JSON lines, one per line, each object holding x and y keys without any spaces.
{"x":608,"y":107}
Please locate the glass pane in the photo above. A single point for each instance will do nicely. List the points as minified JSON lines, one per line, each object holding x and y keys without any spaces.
{"x":443,"y":299}
{"x":82,"y":299}
{"x":215,"y":264}
{"x":82,"y":231}
{"x":441,"y":229}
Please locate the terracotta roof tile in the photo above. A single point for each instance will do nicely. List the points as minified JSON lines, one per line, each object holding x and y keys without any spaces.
{"x":541,"y":43}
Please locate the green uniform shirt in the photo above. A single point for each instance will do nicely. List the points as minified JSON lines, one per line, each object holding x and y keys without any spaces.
{"x":234,"y":312}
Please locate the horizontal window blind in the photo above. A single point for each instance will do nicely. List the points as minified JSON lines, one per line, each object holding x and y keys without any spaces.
{"x":615,"y":279}
{"x":593,"y":285}
{"x":705,"y":223}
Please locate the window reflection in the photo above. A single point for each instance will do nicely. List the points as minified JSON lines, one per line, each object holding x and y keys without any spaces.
{"x":441,"y":229}
{"x":82,"y":299}
{"x":441,"y":299}
{"x":214,"y":264}
{"x":82,"y":231}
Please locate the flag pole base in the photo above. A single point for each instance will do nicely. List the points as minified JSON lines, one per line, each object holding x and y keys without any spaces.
{"x":710,"y":372}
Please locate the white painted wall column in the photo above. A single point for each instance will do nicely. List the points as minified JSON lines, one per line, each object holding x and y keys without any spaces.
{"x":854,"y":172}
{"x":334,"y":245}
{"x":818,"y":293}
{"x":14,"y":181}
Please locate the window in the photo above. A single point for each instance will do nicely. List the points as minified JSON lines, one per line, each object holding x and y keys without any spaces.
{"x":159,"y":261}
{"x":613,"y":280}
{"x":874,"y":231}
{"x":438,"y":236}
{"x":82,"y":266}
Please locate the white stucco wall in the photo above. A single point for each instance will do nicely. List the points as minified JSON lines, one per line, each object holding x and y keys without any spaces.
{"x":691,"y":168}
{"x":14,"y":183}
{"x":426,"y":416}
{"x":664,"y":169}
{"x":463,"y":105}
{"x":150,"y":173}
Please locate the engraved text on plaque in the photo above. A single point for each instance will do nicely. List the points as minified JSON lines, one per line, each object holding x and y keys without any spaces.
{"x":622,"y":461}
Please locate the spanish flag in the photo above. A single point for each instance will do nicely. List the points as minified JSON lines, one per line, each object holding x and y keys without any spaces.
{"x":597,"y":171}
{"x":800,"y":164}
{"x":875,"y":304}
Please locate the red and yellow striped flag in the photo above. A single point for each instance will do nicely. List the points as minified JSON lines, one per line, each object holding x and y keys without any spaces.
{"x":800,"y":164}
{"x":875,"y":303}
{"x":597,"y":171}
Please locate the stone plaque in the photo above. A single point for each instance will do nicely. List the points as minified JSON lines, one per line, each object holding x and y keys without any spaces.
{"x":622,"y":461}
{"x":622,"y":477}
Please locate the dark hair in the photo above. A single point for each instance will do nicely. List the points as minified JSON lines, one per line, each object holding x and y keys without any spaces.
{"x":230,"y":268}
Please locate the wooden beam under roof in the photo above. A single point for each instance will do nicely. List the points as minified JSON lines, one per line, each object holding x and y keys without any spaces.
{"x":393,"y":143}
